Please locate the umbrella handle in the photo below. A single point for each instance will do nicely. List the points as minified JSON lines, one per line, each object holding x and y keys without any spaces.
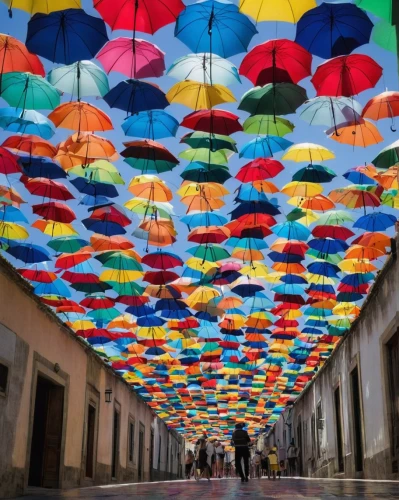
{"x":393,"y":128}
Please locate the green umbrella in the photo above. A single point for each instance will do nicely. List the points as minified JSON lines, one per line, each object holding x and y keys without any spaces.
{"x":118,"y":260}
{"x":388,"y":157}
{"x":334,"y":218}
{"x":268,"y":125}
{"x":147,"y":207}
{"x":385,"y":35}
{"x":27,"y":91}
{"x":129,"y":288}
{"x":67,"y":244}
{"x":206,"y":155}
{"x":214,"y":142}
{"x":273,"y":99}
{"x":99,"y":171}
{"x":210,"y":253}
{"x":104,"y":314}
{"x":380,"y":8}
{"x":296,"y":214}
{"x":331,"y":258}
{"x":206,"y":172}
{"x":82,"y":78}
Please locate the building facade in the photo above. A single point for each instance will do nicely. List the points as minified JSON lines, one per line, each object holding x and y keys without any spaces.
{"x":346,"y":422}
{"x":66,"y":419}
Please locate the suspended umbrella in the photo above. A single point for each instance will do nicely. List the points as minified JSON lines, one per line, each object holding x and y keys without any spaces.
{"x":381,"y":9}
{"x":268,"y":125}
{"x":314,"y":173}
{"x":273,"y":99}
{"x":47,"y":188}
{"x":331,"y":30}
{"x":9,"y":196}
{"x":346,"y":76}
{"x":376,"y":221}
{"x":134,"y":96}
{"x":66,"y":36}
{"x":205,"y":26}
{"x":9,"y":213}
{"x":205,"y":68}
{"x":80,"y":79}
{"x":264,"y":147}
{"x":148,"y":155}
{"x":133,"y":57}
{"x":308,"y":152}
{"x":335,"y":217}
{"x":388,"y":157}
{"x":8,"y":162}
{"x":360,"y":133}
{"x":67,"y":244}
{"x":152,"y":124}
{"x":385,"y":35}
{"x":289,"y":11}
{"x":139,"y":15}
{"x":330,"y":111}
{"x":199,"y":95}
{"x":212,"y":142}
{"x":385,"y":105}
{"x":41,"y":167}
{"x":12,"y":231}
{"x":215,"y":121}
{"x":24,"y":121}
{"x":35,"y":6}
{"x":80,"y":116}
{"x":355,"y":198}
{"x":58,"y":212}
{"x":27,"y":91}
{"x":31,"y":145}
{"x":276,"y":61}
{"x":259,"y":169}
{"x":89,"y":147}
{"x":53,"y":228}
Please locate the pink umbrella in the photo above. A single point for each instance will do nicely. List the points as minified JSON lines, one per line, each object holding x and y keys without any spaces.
{"x":132,"y":57}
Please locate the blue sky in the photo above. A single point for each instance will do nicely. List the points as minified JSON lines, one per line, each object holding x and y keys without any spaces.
{"x":346,"y":156}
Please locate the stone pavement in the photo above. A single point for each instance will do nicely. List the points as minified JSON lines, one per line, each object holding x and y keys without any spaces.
{"x":232,"y":489}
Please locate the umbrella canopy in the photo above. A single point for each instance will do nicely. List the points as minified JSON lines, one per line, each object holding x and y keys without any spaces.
{"x":26,"y":121}
{"x":388,"y":157}
{"x":132,"y":57}
{"x":35,"y":6}
{"x":27,"y":91}
{"x":199,"y":95}
{"x":66,"y":36}
{"x":289,"y":11}
{"x":134,"y":96}
{"x":330,"y":111}
{"x":360,"y":133}
{"x":153,"y":124}
{"x":205,"y":26}
{"x":215,"y":121}
{"x":80,"y":116}
{"x":331,"y":30}
{"x":80,"y":79}
{"x":15,"y":57}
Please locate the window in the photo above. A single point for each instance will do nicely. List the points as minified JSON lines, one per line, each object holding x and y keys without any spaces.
{"x":3,"y":379}
{"x":131,"y":441}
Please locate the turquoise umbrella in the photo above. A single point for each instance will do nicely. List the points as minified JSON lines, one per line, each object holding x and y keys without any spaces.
{"x":154,"y":124}
{"x":264,"y":147}
{"x":27,"y":91}
{"x":205,"y":68}
{"x":83,"y":79}
{"x":26,"y":122}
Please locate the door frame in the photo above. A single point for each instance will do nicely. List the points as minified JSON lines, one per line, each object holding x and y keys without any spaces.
{"x":46,"y":369}
{"x":357,"y":364}
{"x":93,"y":399}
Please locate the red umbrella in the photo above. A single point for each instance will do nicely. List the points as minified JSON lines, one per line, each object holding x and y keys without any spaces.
{"x":38,"y":275}
{"x":68,"y":260}
{"x":80,"y":278}
{"x":216,"y":121}
{"x":162,"y":260}
{"x":141,"y":15}
{"x":111,"y":214}
{"x":14,"y":56}
{"x":335,"y":232}
{"x":276,"y":61}
{"x":259,"y":170}
{"x":8,"y":163}
{"x":346,"y":75}
{"x":160,"y":277}
{"x":30,"y":144}
{"x":148,"y":150}
{"x":208,"y":234}
{"x":56,"y":211}
{"x":130,"y":300}
{"x":99,"y":302}
{"x":40,"y":186}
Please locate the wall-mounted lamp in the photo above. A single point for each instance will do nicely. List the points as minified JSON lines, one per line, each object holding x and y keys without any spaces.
{"x":108,"y":395}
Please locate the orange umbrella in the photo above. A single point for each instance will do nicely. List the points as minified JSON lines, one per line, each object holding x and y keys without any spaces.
{"x":161,"y":233}
{"x":385,"y":105}
{"x":9,"y":193}
{"x":355,"y":198}
{"x":99,"y":242}
{"x":375,"y":240}
{"x":87,"y":145}
{"x":249,"y":255}
{"x":153,"y":191}
{"x":80,"y":116}
{"x":32,"y":144}
{"x":68,"y":160}
{"x":360,"y":133}
{"x":289,"y":268}
{"x":14,"y":56}
{"x":202,"y":204}
{"x":318,"y":203}
{"x":389,"y":178}
{"x":359,"y":252}
{"x":265,"y":187}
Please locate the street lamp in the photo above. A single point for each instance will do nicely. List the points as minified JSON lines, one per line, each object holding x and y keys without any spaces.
{"x":108,"y":395}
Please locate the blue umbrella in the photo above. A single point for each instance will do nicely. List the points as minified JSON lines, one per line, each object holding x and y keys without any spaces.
{"x":154,"y":124}
{"x":91,"y":201}
{"x":264,"y":147}
{"x":262,"y":207}
{"x":66,"y":36}
{"x":26,"y":121}
{"x":288,"y":289}
{"x":41,"y":167}
{"x":356,"y":177}
{"x":203,"y":219}
{"x":103,"y":227}
{"x":254,"y":243}
{"x":293,"y":279}
{"x":291,"y":230}
{"x":207,"y":26}
{"x":357,"y":279}
{"x":285,"y":257}
{"x":150,"y":321}
{"x":28,"y":252}
{"x":247,"y":192}
{"x":324,"y":269}
{"x":135,"y":96}
{"x":328,"y":246}
{"x":94,"y":188}
{"x":332,"y":30}
{"x":376,"y":221}
{"x":57,"y":287}
{"x":9,"y":213}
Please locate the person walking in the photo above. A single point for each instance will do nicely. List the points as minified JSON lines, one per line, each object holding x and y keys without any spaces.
{"x":273,"y":463}
{"x":189,"y":463}
{"x":220,"y":454}
{"x":265,"y":461}
{"x":241,"y":441}
{"x":210,"y":451}
{"x":292,"y":456}
{"x":202,"y":461}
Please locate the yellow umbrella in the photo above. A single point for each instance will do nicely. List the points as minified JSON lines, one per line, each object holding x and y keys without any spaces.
{"x":120,"y":275}
{"x":289,"y":11}
{"x":255,"y":270}
{"x":52,"y":228}
{"x":346,"y":309}
{"x":357,"y":266}
{"x":308,"y":152}
{"x":11,"y":231}
{"x":207,"y":189}
{"x":42,"y":6}
{"x":154,"y":191}
{"x":307,"y":189}
{"x":202,"y":294}
{"x":197,"y":95}
{"x":151,"y":332}
{"x":319,"y":279}
{"x":203,"y":266}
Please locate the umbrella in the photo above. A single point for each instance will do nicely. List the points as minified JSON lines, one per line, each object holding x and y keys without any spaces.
{"x":264,"y":147}
{"x":15,"y":57}
{"x":388,"y":157}
{"x":385,"y":35}
{"x":132,"y":57}
{"x":55,"y":211}
{"x":205,"y":68}
{"x":137,"y":15}
{"x":276,"y":61}
{"x":357,"y":133}
{"x":34,"y":6}
{"x":80,"y":116}
{"x":330,"y":111}
{"x":47,"y":188}
{"x":268,"y":125}
{"x":355,"y":198}
{"x":26,"y":121}
{"x":29,"y":144}
{"x":381,"y":8}
{"x":259,"y":169}
{"x":385,"y":105}
{"x":66,"y":36}
{"x":53,"y":228}
{"x":216,"y":121}
{"x":346,"y":75}
{"x":331,"y":30}
{"x":205,"y":26}
{"x":12,"y":231}
{"x":153,"y":124}
{"x":82,"y":79}
{"x":41,"y":167}
{"x":27,"y":91}
{"x":67,"y":244}
{"x":308,"y":152}
{"x":134,"y":96}
{"x":314,"y":173}
{"x":376,"y":221}
{"x":273,"y":99}
{"x":8,"y":163}
{"x":29,"y":253}
{"x":199,"y":95}
{"x":276,"y":10}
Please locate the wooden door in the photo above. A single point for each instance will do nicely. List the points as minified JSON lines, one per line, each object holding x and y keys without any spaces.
{"x":393,"y":376}
{"x":53,"y":437}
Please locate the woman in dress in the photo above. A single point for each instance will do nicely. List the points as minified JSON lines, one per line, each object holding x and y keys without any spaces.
{"x":220,"y":454}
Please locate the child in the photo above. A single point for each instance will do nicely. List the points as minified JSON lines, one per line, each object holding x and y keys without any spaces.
{"x":282,"y":468}
{"x":273,"y":462}
{"x":256,"y":461}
